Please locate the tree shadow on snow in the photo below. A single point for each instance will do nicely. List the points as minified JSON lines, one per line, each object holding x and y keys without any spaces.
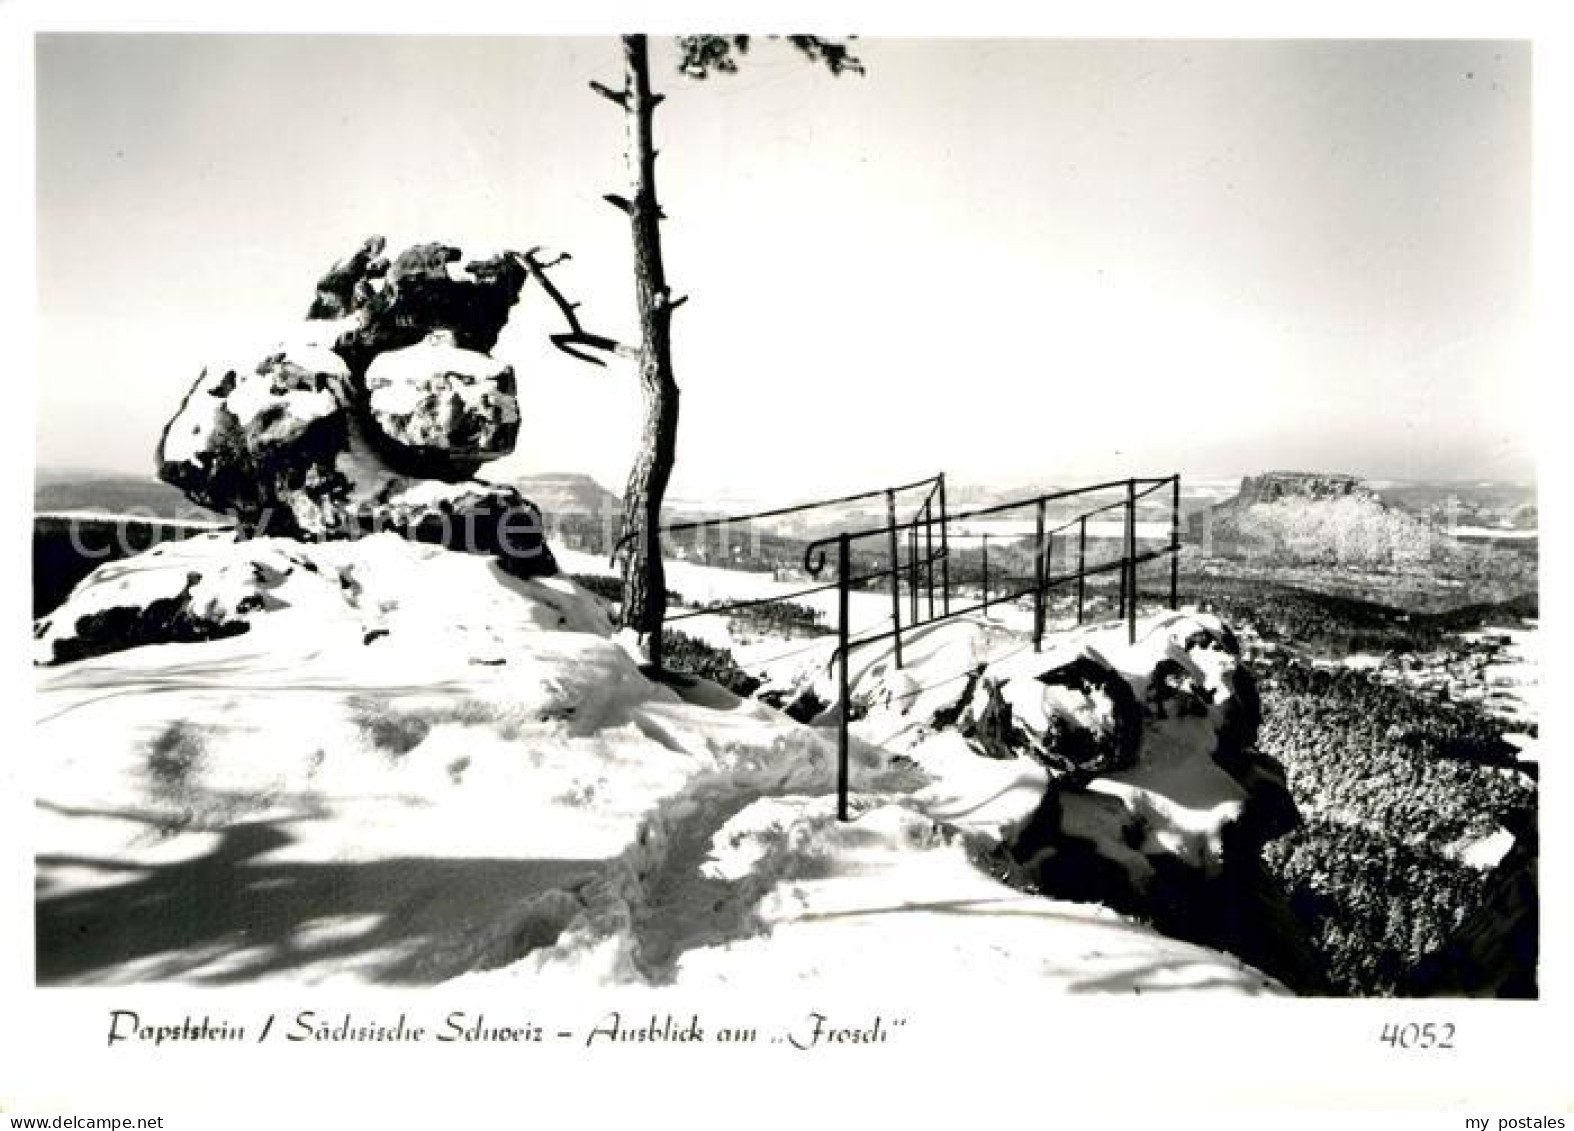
{"x":231,"y":916}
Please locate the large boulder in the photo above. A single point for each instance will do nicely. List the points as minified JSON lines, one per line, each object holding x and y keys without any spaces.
{"x":442,"y":410}
{"x":260,"y":441}
{"x":1149,"y":748}
{"x":380,"y":305}
{"x":1157,"y":803}
{"x":374,"y":414}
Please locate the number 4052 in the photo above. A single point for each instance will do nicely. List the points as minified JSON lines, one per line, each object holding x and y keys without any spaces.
{"x":1415,"y":1036}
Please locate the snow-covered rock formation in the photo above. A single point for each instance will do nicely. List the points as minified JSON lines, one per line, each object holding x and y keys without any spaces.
{"x":1127,"y":773}
{"x":372,"y":415}
{"x":439,"y":403}
{"x":212,"y":586}
{"x":1151,"y":746}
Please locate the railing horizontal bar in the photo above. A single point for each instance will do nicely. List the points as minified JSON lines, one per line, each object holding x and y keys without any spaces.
{"x":876,"y":531}
{"x":699,"y":524}
{"x":1053,"y":496}
{"x":1154,"y":485}
{"x":1118,"y":504}
{"x":954,"y":614}
{"x":860,"y":579}
{"x":914,"y":524}
{"x":1149,"y":556}
{"x":1102,"y":567}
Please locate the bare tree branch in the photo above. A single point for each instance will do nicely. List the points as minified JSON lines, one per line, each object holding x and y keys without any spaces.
{"x":577,"y":339}
{"x":622,"y":204}
{"x":618,"y":96}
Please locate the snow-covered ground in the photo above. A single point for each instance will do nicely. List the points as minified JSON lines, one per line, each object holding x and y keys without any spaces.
{"x":437,"y":770}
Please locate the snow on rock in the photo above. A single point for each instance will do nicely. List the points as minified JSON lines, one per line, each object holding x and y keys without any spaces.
{"x":452,"y":407}
{"x":1151,"y":743}
{"x":395,"y":304}
{"x":252,"y":438}
{"x":1123,"y":774}
{"x":214,"y":585}
{"x":385,"y":388}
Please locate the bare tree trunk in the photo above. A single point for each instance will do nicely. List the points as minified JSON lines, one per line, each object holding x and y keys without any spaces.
{"x":644,"y":577}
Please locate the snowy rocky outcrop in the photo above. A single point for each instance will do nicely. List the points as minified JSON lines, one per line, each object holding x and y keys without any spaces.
{"x":346,"y":592}
{"x":1145,"y":792}
{"x":372,"y":415}
{"x":1151,"y":745}
{"x":1148,"y":751}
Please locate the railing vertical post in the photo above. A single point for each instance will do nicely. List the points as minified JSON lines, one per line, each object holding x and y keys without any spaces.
{"x":912,"y":571}
{"x":986,"y":573}
{"x":1049,"y":574}
{"x":896,"y":577}
{"x":842,"y":572}
{"x":1175,"y":537}
{"x":929,"y":554}
{"x":1120,"y":610}
{"x":945,"y":553}
{"x":1082,"y":564}
{"x":1038,"y":581}
{"x":1131,"y":561}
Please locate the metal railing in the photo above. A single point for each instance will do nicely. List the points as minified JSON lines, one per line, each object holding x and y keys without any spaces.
{"x":927,"y":514}
{"x":1036,"y":586}
{"x":911,"y":551}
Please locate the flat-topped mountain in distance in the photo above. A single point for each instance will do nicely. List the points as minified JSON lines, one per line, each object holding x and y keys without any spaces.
{"x":1333,"y":531}
{"x":1441,"y":504}
{"x":560,"y":493}
{"x":1482,"y":503}
{"x":1272,"y":486}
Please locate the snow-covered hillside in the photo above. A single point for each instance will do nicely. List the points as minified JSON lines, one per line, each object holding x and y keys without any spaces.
{"x":404,"y":765}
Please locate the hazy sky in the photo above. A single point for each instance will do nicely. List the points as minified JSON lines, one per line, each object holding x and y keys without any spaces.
{"x":1011,"y":259}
